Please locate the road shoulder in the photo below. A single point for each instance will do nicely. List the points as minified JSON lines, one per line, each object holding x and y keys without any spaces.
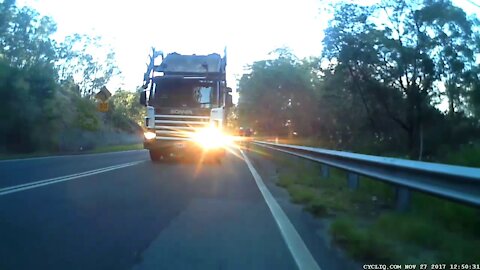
{"x":314,"y":231}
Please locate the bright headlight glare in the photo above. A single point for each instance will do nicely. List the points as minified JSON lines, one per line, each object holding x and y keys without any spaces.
{"x":210,"y":138}
{"x":149,"y":135}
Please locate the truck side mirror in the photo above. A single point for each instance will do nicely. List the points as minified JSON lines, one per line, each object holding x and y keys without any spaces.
{"x":228,"y":101}
{"x":143,"y":98}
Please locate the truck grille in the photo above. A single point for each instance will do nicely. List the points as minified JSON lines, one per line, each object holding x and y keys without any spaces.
{"x":178,"y":127}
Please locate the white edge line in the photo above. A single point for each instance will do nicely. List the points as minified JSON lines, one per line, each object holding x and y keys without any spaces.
{"x":74,"y":155}
{"x":295,"y":244}
{"x":41,"y":183}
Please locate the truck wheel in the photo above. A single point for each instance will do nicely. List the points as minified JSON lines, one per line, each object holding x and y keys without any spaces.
{"x":155,"y":155}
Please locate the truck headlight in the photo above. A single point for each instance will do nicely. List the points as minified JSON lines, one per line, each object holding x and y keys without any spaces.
{"x":149,"y":135}
{"x":210,"y":138}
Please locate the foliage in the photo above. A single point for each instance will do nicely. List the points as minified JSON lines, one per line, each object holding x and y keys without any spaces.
{"x":126,"y":112}
{"x":283,"y":89}
{"x":387,"y":74}
{"x":46,"y":86}
{"x":80,"y":62}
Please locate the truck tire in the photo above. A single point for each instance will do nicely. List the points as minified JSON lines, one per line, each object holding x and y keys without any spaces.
{"x":155,"y":155}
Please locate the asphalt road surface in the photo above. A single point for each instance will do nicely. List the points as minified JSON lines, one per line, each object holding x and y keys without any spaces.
{"x":121,"y":211}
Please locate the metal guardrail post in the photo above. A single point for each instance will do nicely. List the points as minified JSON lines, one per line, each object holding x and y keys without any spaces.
{"x":325,"y":171}
{"x":353,"y":180}
{"x":402,"y":198}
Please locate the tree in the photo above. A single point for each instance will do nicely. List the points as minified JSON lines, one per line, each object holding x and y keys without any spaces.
{"x":40,"y":82}
{"x":26,"y":38}
{"x":454,"y":44}
{"x":126,"y":112}
{"x":277,"y":96}
{"x":87,"y":61}
{"x":396,"y":63}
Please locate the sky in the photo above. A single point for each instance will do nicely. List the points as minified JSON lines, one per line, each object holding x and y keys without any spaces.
{"x":250,"y":29}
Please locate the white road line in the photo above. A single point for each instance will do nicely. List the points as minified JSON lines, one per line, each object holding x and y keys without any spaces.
{"x":295,"y":244}
{"x":41,"y":183}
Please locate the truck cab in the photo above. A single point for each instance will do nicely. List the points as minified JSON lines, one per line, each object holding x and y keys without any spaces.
{"x":187,"y":101}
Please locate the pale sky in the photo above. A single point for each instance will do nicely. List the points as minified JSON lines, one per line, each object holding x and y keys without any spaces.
{"x":249,"y":28}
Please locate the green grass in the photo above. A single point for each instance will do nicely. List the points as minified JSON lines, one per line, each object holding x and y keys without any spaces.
{"x":468,"y":155}
{"x":305,"y":186}
{"x":362,"y":244}
{"x":412,"y":237}
{"x":103,"y":149}
{"x":301,"y":194}
{"x":367,"y":226}
{"x":450,"y":215}
{"x":285,"y":180}
{"x":20,"y":156}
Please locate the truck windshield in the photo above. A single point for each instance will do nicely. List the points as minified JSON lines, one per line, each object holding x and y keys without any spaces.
{"x":184,"y":93}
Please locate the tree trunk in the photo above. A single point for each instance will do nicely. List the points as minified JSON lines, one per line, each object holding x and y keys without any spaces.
{"x":414,"y":122}
{"x":420,"y":155}
{"x":451,"y":107}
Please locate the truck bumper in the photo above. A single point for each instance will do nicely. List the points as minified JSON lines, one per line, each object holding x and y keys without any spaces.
{"x":180,"y":147}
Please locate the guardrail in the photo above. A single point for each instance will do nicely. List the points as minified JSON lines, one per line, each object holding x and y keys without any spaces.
{"x":457,"y":183}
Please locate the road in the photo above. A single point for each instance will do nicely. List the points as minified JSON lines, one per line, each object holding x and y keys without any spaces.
{"x":121,"y":211}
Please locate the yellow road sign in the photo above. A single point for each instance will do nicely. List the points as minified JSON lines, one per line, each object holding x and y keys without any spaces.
{"x":103,"y":107}
{"x":104,"y":94}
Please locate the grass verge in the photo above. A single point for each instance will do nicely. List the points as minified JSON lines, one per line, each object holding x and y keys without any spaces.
{"x":21,"y":156}
{"x":102,"y":149}
{"x":370,"y":230}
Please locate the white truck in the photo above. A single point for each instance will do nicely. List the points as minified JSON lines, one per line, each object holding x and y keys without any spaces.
{"x":186,"y":99}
